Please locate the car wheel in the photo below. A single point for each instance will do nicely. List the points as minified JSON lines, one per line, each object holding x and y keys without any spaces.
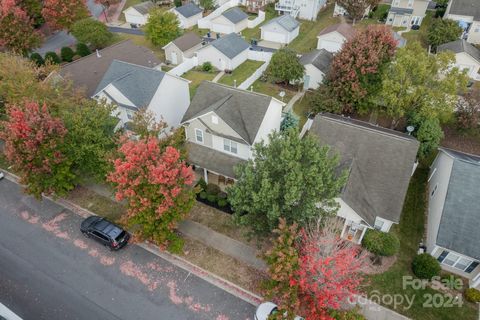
{"x":85,"y":234}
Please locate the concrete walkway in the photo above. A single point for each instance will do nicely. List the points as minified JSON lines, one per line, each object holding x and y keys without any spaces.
{"x":292,"y":101}
{"x":218,"y":76}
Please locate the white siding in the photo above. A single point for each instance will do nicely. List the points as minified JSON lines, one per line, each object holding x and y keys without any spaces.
{"x":315,"y":76}
{"x":271,"y":121}
{"x":187,"y":23}
{"x":345,"y":211}
{"x":219,"y":60}
{"x":275,"y":33}
{"x":243,"y":150}
{"x":135,"y":17}
{"x":332,"y":42}
{"x":465,"y":62}
{"x":118,"y":96}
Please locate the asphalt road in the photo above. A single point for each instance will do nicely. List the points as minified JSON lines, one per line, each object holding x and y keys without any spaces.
{"x":137,"y":31}
{"x":48,"y":270}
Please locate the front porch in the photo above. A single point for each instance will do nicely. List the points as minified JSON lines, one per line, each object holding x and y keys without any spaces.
{"x":353,"y":231}
{"x":211,"y":177}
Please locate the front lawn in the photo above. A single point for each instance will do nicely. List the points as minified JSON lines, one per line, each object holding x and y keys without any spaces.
{"x":421,"y":34}
{"x":273,"y":90}
{"x":241,"y":73}
{"x":197,"y":77}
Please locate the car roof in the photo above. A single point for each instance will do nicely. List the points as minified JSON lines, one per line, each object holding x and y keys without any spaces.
{"x":107,"y":228}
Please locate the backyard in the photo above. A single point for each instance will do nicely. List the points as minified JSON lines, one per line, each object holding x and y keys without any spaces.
{"x":254,"y":33}
{"x":196,"y":77}
{"x":241,"y":73}
{"x":273,"y":90}
{"x":421,"y":34}
{"x":141,"y":41}
{"x":302,"y":108}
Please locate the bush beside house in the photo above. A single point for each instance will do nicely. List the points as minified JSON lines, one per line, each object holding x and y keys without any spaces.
{"x":425,"y":266}
{"x":472,"y":295}
{"x":381,"y":243}
{"x":212,"y":195}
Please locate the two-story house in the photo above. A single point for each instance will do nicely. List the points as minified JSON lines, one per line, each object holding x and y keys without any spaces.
{"x":467,"y":13}
{"x":222,"y":124}
{"x":406,"y":13}
{"x":302,"y":9}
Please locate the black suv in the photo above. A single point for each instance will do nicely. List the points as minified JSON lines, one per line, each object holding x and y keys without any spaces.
{"x":105,"y":232}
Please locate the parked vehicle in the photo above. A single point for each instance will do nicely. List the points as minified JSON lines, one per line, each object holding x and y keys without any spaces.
{"x":105,"y":232}
{"x":2,"y":175}
{"x":266,"y":309}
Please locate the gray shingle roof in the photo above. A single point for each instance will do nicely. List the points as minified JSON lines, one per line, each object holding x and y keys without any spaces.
{"x":321,"y":59}
{"x":379,"y":161}
{"x":136,"y":83}
{"x":187,"y":41}
{"x":189,"y":10}
{"x":212,"y":160}
{"x":397,"y":10}
{"x":144,"y":7}
{"x":469,"y":8}
{"x":231,"y":45}
{"x":286,"y":21}
{"x":235,"y":15}
{"x":242,"y":110}
{"x":460,"y":45}
{"x":458,"y":228}
{"x":344,"y":29}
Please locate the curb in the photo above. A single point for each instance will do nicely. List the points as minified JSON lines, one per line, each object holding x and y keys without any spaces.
{"x":176,"y":260}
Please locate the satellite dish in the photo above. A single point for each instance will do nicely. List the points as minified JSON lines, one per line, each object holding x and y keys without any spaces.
{"x":410,"y":129}
{"x":282,"y":94}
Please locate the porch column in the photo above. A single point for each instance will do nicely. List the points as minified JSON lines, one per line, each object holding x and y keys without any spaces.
{"x":205,"y":175}
{"x":363,"y":233}
{"x":344,"y":228}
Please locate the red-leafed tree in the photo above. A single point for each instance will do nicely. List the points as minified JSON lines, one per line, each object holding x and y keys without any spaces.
{"x":157,"y":185}
{"x":33,"y":145}
{"x":355,"y":74}
{"x":16,"y":28}
{"x":62,"y":14}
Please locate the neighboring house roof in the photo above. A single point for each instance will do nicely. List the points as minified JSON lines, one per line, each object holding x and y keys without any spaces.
{"x":242,"y":110}
{"x":379,"y":162}
{"x":458,"y":228}
{"x":397,"y":10}
{"x":467,"y":8}
{"x":212,"y":159}
{"x":87,"y":72}
{"x":187,"y":41}
{"x":344,"y":29}
{"x":321,"y":59}
{"x":285,"y":21}
{"x":235,"y":15}
{"x":461,"y":45}
{"x":144,"y":7}
{"x":189,"y":10}
{"x":230,"y":45}
{"x":401,"y":41}
{"x":138,"y":84}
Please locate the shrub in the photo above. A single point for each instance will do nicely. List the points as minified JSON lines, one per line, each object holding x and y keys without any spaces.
{"x":76,"y":57}
{"x":52,"y":57}
{"x":207,"y":66}
{"x":212,"y":198}
{"x":222,"y":202}
{"x":346,"y":315}
{"x":381,"y":243}
{"x":82,"y":49}
{"x":472,"y":295}
{"x":202,"y":184}
{"x":222,"y":195}
{"x":425,"y":266}
{"x":203,"y":195}
{"x":67,"y":54}
{"x":175,"y":245}
{"x":37,"y":58}
{"x":177,"y":3}
{"x":212,"y":189}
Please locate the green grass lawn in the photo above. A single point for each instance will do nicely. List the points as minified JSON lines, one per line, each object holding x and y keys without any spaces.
{"x":420,"y":35}
{"x":307,"y":38}
{"x":410,"y":232}
{"x":241,"y":73}
{"x":302,"y":108}
{"x":255,"y":33}
{"x":200,"y":32}
{"x":141,"y":41}
{"x":197,"y":77}
{"x":273,"y":90}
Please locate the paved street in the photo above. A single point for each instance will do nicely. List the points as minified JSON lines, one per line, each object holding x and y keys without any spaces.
{"x":48,"y":270}
{"x":138,"y":32}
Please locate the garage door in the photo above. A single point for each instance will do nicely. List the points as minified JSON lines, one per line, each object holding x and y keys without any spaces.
{"x":221,"y":28}
{"x":273,"y":36}
{"x":331,"y":46}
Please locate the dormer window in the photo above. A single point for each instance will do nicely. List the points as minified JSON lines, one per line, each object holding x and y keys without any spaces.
{"x":199,"y":135}
{"x":214,"y":119}
{"x":230,"y":146}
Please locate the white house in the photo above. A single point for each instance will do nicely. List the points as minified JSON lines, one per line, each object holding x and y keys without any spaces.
{"x":302,"y":9}
{"x":225,"y":53}
{"x":138,"y":14}
{"x":453,"y":213}
{"x":132,"y":87}
{"x":188,"y":15}
{"x":223,"y":123}
{"x":467,"y":13}
{"x":333,"y":37}
{"x":183,"y":47}
{"x":231,"y":20}
{"x":467,"y":57}
{"x":317,"y":64}
{"x":282,"y":29}
{"x":379,"y":163}
{"x":340,"y":11}
{"x":406,"y":13}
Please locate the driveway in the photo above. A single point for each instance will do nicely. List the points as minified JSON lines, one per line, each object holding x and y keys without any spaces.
{"x":56,"y":41}
{"x":126,"y":30}
{"x":50,"y":271}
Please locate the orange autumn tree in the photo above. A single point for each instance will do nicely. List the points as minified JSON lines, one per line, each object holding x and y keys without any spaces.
{"x":62,"y":14}
{"x":157,"y":185}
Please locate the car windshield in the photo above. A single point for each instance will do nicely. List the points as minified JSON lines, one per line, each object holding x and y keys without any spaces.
{"x":120,"y":236}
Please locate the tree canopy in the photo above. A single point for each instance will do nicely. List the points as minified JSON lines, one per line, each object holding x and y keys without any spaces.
{"x":162,"y":27}
{"x":442,"y":31}
{"x":355,"y":8}
{"x":92,"y":32}
{"x":285,"y":67}
{"x":62,"y":14}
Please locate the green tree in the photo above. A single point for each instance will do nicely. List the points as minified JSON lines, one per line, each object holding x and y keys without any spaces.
{"x":92,"y":32}
{"x":288,"y":178}
{"x":428,"y":132}
{"x":177,"y":3}
{"x":285,"y":67}
{"x":67,"y":54}
{"x":289,"y":121}
{"x":162,"y":27}
{"x":37,"y":58}
{"x":52,"y":57}
{"x":207,"y":4}
{"x":83,"y":50}
{"x":443,"y":31}
{"x":417,"y":82}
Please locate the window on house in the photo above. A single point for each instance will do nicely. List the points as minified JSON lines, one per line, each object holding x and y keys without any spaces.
{"x":442,"y":256}
{"x":215,"y":119}
{"x":472,"y":266}
{"x":450,"y":259}
{"x":378,"y":224}
{"x":230,"y":146}
{"x":199,"y":135}
{"x":463,"y":263}
{"x":460,"y":263}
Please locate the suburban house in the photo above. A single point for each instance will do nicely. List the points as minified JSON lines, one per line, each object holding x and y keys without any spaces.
{"x":467,"y":13}
{"x":406,"y":13}
{"x":132,"y":87}
{"x":453,"y":214}
{"x":138,"y":14}
{"x":254,"y":6}
{"x":188,"y":15}
{"x":302,"y":9}
{"x":338,"y":10}
{"x":232,"y":20}
{"x":317,"y":64}
{"x":183,"y":47}
{"x":86,"y":73}
{"x":282,"y":29}
{"x":222,"y":124}
{"x":333,"y":37}
{"x":379,"y":163}
{"x":467,"y":57}
{"x":225,"y":53}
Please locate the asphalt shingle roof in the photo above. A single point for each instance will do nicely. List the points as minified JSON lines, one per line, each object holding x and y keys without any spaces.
{"x":286,"y":21}
{"x":136,"y":83}
{"x":321,"y":59}
{"x":189,"y":10}
{"x":458,"y":228}
{"x":379,"y":162}
{"x":235,"y":15}
{"x":401,"y":10}
{"x":187,"y":41}
{"x":344,"y":29}
{"x":461,"y":45}
{"x":469,"y":8}
{"x":144,"y":7}
{"x":230,"y":45}
{"x":242,"y":110}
